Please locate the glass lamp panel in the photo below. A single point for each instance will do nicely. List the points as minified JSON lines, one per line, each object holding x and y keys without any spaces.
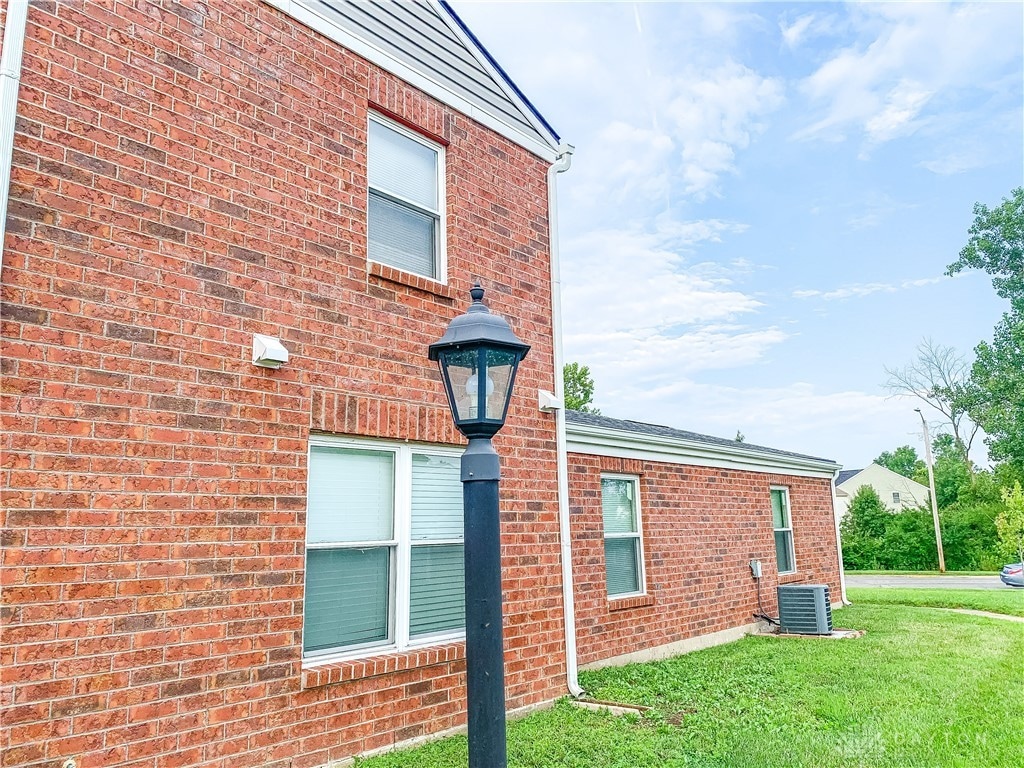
{"x":351,"y":495}
{"x":457,"y":366}
{"x":500,"y":368}
{"x":617,"y":505}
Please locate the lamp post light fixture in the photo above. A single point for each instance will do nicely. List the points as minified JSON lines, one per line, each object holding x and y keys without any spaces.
{"x":478,"y":357}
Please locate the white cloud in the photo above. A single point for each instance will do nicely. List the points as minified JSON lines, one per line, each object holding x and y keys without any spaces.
{"x":859,"y":290}
{"x":793,"y":34}
{"x":911,"y":52}
{"x":714,"y":114}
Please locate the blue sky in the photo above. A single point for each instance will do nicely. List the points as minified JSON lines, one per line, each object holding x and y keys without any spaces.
{"x":764,"y":199}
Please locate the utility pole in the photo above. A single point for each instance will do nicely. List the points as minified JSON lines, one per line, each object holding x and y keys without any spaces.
{"x":931,"y":488}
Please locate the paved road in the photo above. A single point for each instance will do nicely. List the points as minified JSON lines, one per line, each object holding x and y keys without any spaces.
{"x":928,"y":582}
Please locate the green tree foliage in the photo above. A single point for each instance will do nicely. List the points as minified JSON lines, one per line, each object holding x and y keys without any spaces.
{"x":952,"y":471}
{"x":579,"y":388}
{"x":994,"y":395}
{"x":874,"y":538}
{"x":863,"y":530}
{"x":904,"y":461}
{"x":996,"y":245}
{"x":1010,"y":523}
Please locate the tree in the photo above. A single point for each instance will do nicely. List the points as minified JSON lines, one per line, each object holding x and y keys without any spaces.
{"x":994,"y":394}
{"x":579,"y":388}
{"x":996,"y":245}
{"x":1010,"y":523}
{"x":903,"y":461}
{"x":938,"y":377}
{"x":863,"y":530}
{"x":740,"y":437}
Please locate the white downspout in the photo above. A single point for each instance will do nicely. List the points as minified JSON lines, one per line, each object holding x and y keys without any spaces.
{"x":839,"y":545}
{"x":564,"y":533}
{"x":10,"y":81}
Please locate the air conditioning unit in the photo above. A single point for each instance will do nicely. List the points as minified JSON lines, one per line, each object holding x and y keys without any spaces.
{"x":804,"y":609}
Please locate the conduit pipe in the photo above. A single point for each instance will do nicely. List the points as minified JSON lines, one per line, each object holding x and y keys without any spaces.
{"x":562,"y":164}
{"x":10,"y":81}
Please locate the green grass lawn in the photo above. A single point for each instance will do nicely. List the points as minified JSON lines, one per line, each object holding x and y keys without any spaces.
{"x":1009,"y":601}
{"x":923,"y":688}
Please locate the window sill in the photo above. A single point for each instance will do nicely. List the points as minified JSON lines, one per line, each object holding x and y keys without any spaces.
{"x":790,"y":578}
{"x":625,"y":603}
{"x":315,"y":675}
{"x":393,"y":275}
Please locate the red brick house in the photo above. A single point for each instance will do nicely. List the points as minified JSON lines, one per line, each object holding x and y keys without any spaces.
{"x":665,"y":524}
{"x":210,"y":562}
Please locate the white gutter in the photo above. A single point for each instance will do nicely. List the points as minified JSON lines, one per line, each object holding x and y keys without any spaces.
{"x":839,"y":544}
{"x":564,"y":533}
{"x":10,"y":81}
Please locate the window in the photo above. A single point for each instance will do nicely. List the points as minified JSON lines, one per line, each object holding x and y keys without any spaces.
{"x":384,"y":562}
{"x":405,"y":226}
{"x":783,"y":530}
{"x":895,"y":497}
{"x":623,"y":545}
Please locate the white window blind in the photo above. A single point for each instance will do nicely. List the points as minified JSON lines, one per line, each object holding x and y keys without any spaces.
{"x":404,"y":210}
{"x":623,"y":545}
{"x":384,"y":558}
{"x":437,"y":597}
{"x":783,"y":530}
{"x":351,"y":495}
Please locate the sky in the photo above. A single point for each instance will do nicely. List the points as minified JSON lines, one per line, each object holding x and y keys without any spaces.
{"x":764,"y":199}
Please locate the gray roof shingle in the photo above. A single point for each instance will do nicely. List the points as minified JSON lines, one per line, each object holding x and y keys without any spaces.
{"x":846,"y":474}
{"x":642,"y":428}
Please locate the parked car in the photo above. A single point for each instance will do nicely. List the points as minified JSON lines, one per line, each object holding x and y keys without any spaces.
{"x":1012,"y":575}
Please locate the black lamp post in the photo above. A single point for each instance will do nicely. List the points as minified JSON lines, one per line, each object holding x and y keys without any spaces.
{"x":478,"y":356}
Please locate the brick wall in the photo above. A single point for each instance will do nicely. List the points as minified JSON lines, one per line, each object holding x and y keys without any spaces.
{"x":186,"y":175}
{"x":701,"y":528}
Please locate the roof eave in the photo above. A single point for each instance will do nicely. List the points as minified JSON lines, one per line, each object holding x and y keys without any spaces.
{"x":582,"y":437}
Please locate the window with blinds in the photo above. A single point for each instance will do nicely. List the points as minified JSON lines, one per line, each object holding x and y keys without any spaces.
{"x":384,"y":548}
{"x":781,"y":522}
{"x":623,"y":541}
{"x":404,"y":228}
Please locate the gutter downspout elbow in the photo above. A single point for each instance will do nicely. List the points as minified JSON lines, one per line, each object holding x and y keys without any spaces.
{"x":562,"y":164}
{"x":10,"y":81}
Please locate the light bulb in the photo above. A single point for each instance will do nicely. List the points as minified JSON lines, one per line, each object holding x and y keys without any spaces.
{"x":471,"y":386}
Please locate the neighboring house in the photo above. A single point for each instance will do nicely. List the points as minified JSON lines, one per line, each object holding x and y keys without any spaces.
{"x":896,"y":491}
{"x":206,"y":562}
{"x":665,"y":524}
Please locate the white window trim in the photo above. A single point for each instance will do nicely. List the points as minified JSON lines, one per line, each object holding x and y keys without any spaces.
{"x":441,"y":246}
{"x":639,"y":535}
{"x":399,"y":603}
{"x":789,"y":519}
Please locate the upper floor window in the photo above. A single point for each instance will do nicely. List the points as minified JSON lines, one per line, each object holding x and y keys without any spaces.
{"x":783,"y":525}
{"x":623,"y":542}
{"x":405,"y":209}
{"x":895,"y":497}
{"x":384,"y":553}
